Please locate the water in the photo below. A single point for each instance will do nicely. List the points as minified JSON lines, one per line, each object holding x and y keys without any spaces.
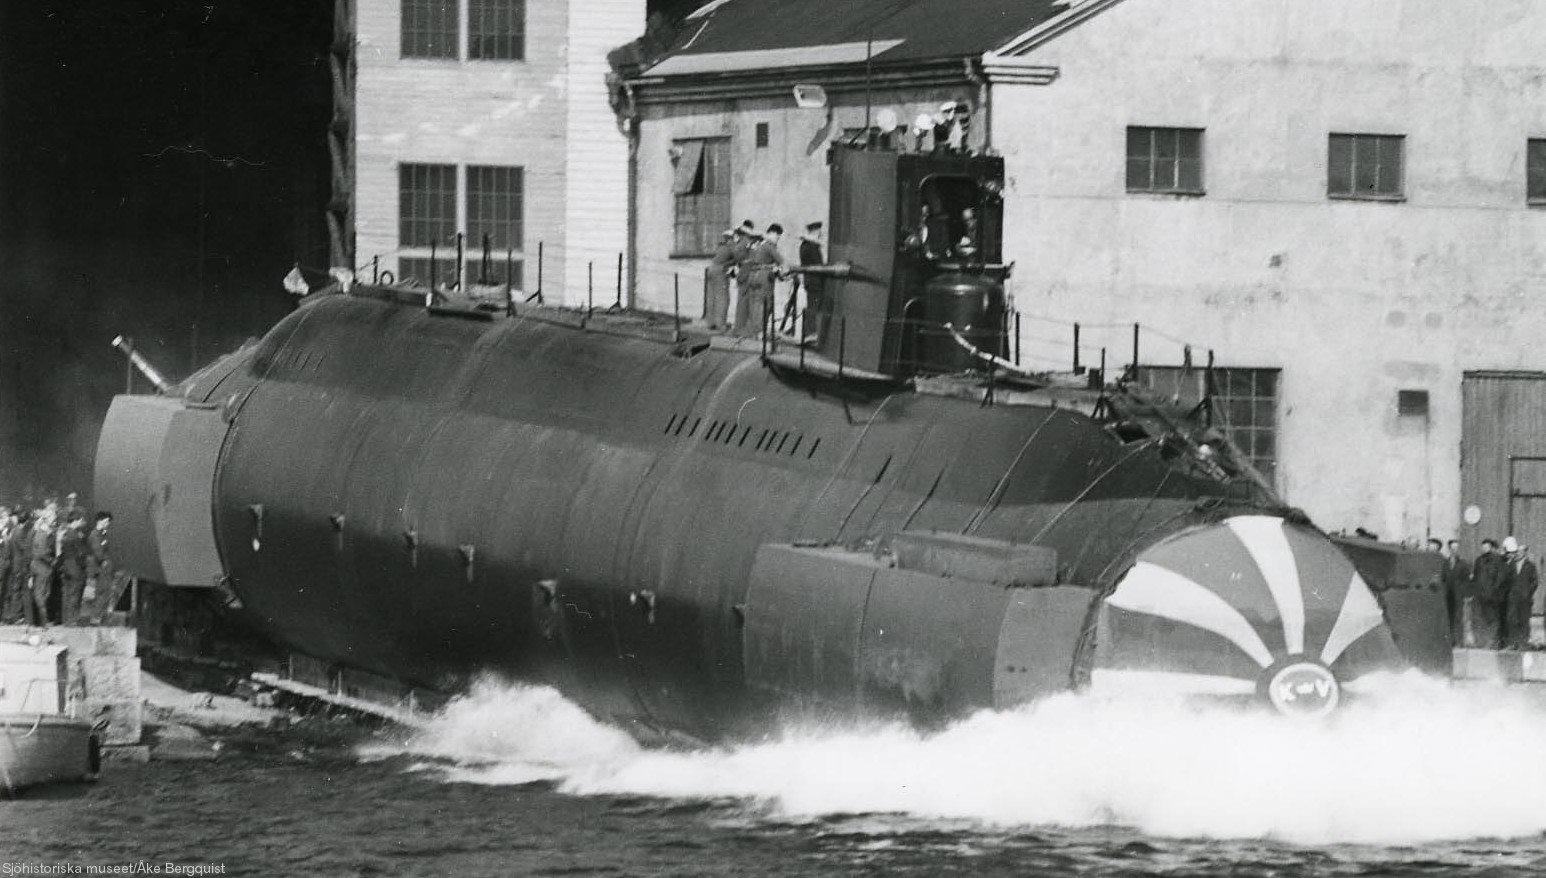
{"x":1421,"y":779}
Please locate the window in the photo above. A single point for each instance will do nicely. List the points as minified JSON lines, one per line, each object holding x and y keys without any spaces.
{"x":429,"y":216}
{"x":1245,"y":405}
{"x":1164,"y":160}
{"x":430,"y":29}
{"x":702,"y":190}
{"x":1535,"y":169}
{"x":1364,"y":166}
{"x":762,"y":134}
{"x":496,"y":30}
{"x":494,"y":207}
{"x":426,"y":205}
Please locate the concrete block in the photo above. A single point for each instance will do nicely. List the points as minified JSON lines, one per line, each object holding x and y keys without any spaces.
{"x":134,"y":754}
{"x":111,"y":686}
{"x":1487,"y":664}
{"x":1532,"y":667}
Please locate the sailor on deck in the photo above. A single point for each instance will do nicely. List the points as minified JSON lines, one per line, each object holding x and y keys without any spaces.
{"x":756,"y":275}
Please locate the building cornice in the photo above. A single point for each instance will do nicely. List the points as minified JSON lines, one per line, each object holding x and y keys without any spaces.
{"x":1016,"y":71}
{"x":777,"y":82}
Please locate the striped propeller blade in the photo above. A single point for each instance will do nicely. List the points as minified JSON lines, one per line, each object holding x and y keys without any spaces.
{"x":1249,"y":606}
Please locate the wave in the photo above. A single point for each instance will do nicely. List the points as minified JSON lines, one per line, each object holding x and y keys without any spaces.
{"x":1413,"y":760}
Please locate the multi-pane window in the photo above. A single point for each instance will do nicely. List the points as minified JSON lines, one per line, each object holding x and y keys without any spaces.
{"x":1164,"y":160}
{"x":494,"y":206}
{"x":1364,"y":166}
{"x":426,"y":206}
{"x":1535,"y":170}
{"x":496,"y":29}
{"x":482,"y":201}
{"x":431,"y":29}
{"x":1245,"y":405}
{"x":702,"y":190}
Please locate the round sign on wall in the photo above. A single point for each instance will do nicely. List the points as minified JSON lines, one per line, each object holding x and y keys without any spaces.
{"x":1473,"y":514}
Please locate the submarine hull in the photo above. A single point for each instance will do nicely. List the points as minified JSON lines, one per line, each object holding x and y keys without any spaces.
{"x":684,"y":538}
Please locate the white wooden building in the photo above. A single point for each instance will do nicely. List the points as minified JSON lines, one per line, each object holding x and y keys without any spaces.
{"x":485,"y":118}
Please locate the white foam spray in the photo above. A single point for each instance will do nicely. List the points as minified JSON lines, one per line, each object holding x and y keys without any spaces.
{"x":1416,"y":760}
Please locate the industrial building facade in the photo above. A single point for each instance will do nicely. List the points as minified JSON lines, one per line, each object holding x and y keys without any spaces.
{"x":1341,"y":202}
{"x":483,"y":125}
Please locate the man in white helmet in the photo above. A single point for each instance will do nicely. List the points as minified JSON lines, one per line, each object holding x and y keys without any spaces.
{"x":1518,"y":594}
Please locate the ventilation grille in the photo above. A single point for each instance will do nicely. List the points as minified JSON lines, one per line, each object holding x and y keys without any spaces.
{"x":766,"y":440}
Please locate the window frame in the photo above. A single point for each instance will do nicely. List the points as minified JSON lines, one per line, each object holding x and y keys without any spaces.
{"x":414,"y":251}
{"x":1236,"y":389}
{"x":714,"y":156}
{"x":1353,"y":140}
{"x":1152,"y":160}
{"x":463,"y":17}
{"x":518,"y":37}
{"x":426,"y":7}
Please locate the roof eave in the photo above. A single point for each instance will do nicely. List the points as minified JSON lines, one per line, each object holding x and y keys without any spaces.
{"x":777,"y":82}
{"x":1052,"y":28}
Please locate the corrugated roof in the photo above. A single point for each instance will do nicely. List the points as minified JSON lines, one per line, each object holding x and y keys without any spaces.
{"x":902,"y":29}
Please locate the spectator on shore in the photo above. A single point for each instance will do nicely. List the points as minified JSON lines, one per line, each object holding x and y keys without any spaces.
{"x":1488,"y":575}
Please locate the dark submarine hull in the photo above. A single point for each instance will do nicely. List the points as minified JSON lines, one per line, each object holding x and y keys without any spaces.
{"x":688,"y":538}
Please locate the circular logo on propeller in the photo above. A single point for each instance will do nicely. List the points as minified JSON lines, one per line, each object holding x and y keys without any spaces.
{"x":1303,"y":688}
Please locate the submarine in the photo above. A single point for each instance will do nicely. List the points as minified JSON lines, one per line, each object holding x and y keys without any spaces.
{"x":698,"y":535}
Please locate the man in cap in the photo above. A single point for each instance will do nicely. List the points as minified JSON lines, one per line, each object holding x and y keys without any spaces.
{"x":716,"y":293}
{"x":44,"y":552}
{"x":1518,"y":595}
{"x":818,"y":310}
{"x":71,"y":564}
{"x":1487,"y":580}
{"x":758,"y":270}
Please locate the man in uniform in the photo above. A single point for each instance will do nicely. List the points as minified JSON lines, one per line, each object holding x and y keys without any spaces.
{"x":71,"y":564}
{"x":1517,"y":596}
{"x":758,"y":270}
{"x":716,"y":299}
{"x":40,"y":564}
{"x":818,"y":310}
{"x":1487,"y":581}
{"x":18,"y":555}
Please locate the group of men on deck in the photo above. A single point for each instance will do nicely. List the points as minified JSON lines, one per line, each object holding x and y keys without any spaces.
{"x":755,"y":264}
{"x":53,"y":567}
{"x":1490,"y":600}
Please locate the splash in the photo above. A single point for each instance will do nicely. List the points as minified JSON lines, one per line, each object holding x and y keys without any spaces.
{"x":1414,"y":760}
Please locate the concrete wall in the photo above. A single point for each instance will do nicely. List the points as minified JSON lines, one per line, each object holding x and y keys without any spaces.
{"x":785,"y":182}
{"x":529,"y":113}
{"x":1354,"y":300}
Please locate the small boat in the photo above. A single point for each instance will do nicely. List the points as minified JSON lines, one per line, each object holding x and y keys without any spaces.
{"x":41,"y":741}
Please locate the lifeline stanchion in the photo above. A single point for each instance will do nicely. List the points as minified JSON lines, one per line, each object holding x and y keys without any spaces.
{"x":676,"y":307}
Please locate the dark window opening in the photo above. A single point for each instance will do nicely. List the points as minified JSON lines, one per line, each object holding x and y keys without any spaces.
{"x":496,"y":30}
{"x":1245,"y":405}
{"x":1365,"y":166}
{"x":1164,"y":160}
{"x":701,"y":186}
{"x":430,"y":29}
{"x":1535,"y":169}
